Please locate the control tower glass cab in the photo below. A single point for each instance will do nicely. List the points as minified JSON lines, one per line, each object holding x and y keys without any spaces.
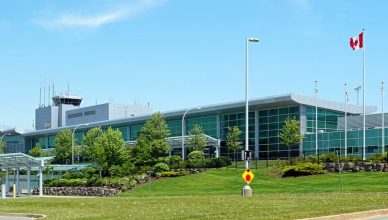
{"x":67,"y":100}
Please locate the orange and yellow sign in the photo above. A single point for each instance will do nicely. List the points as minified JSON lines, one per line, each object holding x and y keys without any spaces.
{"x":248,"y":176}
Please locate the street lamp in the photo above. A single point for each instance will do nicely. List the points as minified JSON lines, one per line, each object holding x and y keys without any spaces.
{"x":255,"y":40}
{"x":246,"y":98}
{"x":183,"y":130}
{"x":72,"y":142}
{"x":1,"y":139}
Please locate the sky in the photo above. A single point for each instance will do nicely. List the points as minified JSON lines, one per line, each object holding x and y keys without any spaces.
{"x":176,"y":54}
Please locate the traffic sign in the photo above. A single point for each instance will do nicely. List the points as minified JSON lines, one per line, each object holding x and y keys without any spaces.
{"x":248,"y":176}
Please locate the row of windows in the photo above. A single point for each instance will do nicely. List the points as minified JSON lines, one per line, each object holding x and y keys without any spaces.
{"x":327,"y":119}
{"x":80,"y":114}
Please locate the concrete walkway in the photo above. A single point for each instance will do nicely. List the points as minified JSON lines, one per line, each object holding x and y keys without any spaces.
{"x":381,"y":214}
{"x":14,"y":216}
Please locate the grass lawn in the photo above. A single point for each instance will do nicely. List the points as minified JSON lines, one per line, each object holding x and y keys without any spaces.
{"x":266,"y":206}
{"x":229,"y":182}
{"x":215,"y":194}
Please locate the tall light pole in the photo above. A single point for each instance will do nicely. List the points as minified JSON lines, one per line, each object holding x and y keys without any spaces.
{"x":72,"y":141}
{"x":254,"y":40}
{"x":183,"y":130}
{"x":316,"y":117}
{"x":382,"y":119}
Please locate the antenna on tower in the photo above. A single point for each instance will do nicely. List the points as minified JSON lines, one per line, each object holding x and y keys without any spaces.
{"x":53,"y":90}
{"x":68,"y":88}
{"x":48,"y":95}
{"x":40,"y":95}
{"x":44,"y":94}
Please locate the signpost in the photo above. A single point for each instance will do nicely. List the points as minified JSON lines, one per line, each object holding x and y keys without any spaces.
{"x":248,"y":176}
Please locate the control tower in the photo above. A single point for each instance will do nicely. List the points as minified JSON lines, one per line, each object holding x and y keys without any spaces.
{"x":54,"y":116}
{"x":67,"y":100}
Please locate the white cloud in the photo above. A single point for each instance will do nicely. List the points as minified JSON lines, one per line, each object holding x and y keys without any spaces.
{"x":74,"y":20}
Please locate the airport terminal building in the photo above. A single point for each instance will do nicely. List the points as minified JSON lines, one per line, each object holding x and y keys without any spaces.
{"x":266,"y":118}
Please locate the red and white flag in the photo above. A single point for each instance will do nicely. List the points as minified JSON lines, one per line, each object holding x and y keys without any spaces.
{"x":357,"y":42}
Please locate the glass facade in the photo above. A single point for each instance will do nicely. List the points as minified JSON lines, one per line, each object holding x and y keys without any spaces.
{"x":265,"y":125}
{"x":271,"y":122}
{"x":175,"y":127}
{"x":238,"y":120}
{"x":329,"y":142}
{"x":134,"y":131}
{"x":208,"y":124}
{"x":327,"y":119}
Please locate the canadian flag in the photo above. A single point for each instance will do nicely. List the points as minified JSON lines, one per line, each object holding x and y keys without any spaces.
{"x":357,"y":42}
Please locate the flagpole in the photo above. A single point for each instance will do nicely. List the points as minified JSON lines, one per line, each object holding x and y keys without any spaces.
{"x":316,"y":119}
{"x":346,"y":121}
{"x":382,"y":119}
{"x":363,"y":97}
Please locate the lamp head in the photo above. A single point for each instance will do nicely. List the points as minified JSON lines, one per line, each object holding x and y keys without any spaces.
{"x":253,"y":39}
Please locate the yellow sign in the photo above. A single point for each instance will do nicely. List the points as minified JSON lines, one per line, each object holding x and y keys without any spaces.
{"x":248,"y":176}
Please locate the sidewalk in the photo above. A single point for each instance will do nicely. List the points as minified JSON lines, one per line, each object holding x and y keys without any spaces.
{"x":381,"y":214}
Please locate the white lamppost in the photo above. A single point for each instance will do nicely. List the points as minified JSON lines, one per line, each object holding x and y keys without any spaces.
{"x":254,"y":40}
{"x":183,"y":130}
{"x":72,"y":141}
{"x":1,"y":139}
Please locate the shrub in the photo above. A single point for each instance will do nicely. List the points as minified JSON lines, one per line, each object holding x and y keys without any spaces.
{"x":196,"y":159}
{"x":144,"y":169}
{"x":217,"y":162}
{"x":303,"y":169}
{"x":73,"y":175}
{"x":88,"y":172}
{"x":161,"y":167}
{"x":174,"y":161}
{"x":376,"y":158}
{"x":355,"y":159}
{"x":328,"y":158}
{"x":311,"y":159}
{"x":173,"y":173}
{"x":67,"y":183}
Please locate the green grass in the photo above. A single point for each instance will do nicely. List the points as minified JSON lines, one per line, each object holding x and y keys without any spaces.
{"x":267,"y":206}
{"x":215,"y":194}
{"x":229,"y":182}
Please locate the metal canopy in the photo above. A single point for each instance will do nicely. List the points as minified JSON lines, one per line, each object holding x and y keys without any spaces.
{"x":15,"y":161}
{"x":176,"y":142}
{"x":18,"y":160}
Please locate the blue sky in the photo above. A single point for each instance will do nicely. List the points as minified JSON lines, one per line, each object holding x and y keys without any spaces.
{"x":176,"y":54}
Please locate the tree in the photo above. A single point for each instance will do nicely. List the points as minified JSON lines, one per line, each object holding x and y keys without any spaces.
{"x":232,"y":140}
{"x":36,"y":151}
{"x":2,"y":146}
{"x":89,"y":143}
{"x":109,"y":149}
{"x":290,"y":134}
{"x":197,"y":141}
{"x":152,"y":141}
{"x":62,"y":150}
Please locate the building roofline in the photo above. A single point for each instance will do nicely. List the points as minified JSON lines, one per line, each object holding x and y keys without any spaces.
{"x":257,"y":103}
